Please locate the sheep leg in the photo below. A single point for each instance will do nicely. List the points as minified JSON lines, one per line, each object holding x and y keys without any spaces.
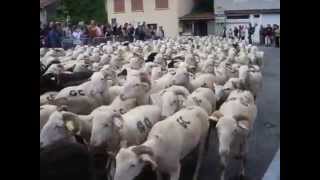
{"x":199,"y":161}
{"x":223,"y":165}
{"x":159,"y":175}
{"x":242,"y":168}
{"x":174,"y":175}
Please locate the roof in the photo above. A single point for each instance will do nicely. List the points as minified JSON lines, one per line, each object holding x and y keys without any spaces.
{"x":198,"y":16}
{"x":251,"y":11}
{"x":45,"y":3}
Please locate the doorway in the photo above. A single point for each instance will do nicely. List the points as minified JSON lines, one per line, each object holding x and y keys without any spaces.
{"x":200,"y":28}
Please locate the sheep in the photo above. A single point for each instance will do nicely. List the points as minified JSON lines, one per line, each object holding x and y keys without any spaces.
{"x":47,"y":97}
{"x":169,"y":101}
{"x":110,"y":128}
{"x":45,"y":112}
{"x":203,"y":97}
{"x":64,"y":125}
{"x":162,"y":150}
{"x":203,"y":80}
{"x":234,"y":120}
{"x":84,"y":98}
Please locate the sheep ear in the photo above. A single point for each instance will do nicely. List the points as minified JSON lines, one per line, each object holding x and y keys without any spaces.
{"x":148,"y":160}
{"x":244,"y":125}
{"x":71,"y":122}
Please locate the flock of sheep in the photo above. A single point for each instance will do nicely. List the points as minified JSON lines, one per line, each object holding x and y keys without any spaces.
{"x":155,"y":102}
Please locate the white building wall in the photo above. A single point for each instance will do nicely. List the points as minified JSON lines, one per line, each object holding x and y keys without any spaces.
{"x":168,"y":18}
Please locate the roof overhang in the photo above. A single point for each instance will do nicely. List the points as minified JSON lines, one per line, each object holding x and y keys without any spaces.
{"x":198,"y":16}
{"x":251,"y":11}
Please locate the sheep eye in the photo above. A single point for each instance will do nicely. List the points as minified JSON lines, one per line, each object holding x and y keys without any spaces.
{"x":106,"y":125}
{"x":132,"y":165}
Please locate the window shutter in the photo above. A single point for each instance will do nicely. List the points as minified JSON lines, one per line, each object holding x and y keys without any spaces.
{"x":118,"y":5}
{"x":137,"y":5}
{"x":162,"y":4}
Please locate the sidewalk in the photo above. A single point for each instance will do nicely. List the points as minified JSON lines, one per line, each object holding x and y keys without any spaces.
{"x":273,"y":171}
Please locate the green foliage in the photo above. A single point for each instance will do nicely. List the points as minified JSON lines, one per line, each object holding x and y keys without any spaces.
{"x":82,"y":10}
{"x":203,"y":6}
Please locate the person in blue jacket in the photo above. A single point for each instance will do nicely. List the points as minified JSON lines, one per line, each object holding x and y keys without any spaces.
{"x":54,"y":37}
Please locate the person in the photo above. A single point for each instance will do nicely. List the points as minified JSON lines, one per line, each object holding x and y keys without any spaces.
{"x":230,"y":33}
{"x":130,"y":32}
{"x":236,"y":32}
{"x":92,"y":30}
{"x":262,"y":35}
{"x":54,"y":37}
{"x":65,"y":160}
{"x":76,"y":35}
{"x":160,"y":33}
{"x":224,"y":32}
{"x":251,"y":30}
{"x":268,"y":35}
{"x":242,"y":33}
{"x":277,"y":36}
{"x":84,"y":36}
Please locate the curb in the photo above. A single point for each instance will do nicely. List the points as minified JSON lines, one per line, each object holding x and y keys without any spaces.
{"x":273,"y":171}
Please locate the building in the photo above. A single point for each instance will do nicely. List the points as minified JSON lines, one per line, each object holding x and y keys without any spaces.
{"x":197,"y":23}
{"x":230,"y":13}
{"x":47,"y":9}
{"x":163,"y":13}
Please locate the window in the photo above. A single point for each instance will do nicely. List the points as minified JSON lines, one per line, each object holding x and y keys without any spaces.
{"x":162,"y":4}
{"x":137,"y":5}
{"x":118,"y":5}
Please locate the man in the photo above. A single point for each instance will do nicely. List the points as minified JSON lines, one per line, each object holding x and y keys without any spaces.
{"x":262,"y":35}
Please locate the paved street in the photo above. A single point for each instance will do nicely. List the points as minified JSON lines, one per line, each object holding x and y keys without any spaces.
{"x":265,"y":138}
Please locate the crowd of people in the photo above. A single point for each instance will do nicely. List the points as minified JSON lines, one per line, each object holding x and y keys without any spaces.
{"x":53,"y":34}
{"x":268,"y":36}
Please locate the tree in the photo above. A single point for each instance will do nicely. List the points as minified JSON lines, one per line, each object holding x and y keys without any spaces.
{"x":82,"y":10}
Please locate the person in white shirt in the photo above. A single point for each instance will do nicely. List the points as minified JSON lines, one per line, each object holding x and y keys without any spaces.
{"x":76,"y":35}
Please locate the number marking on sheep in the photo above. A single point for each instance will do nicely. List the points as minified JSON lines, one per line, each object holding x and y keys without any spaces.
{"x":182,"y":122}
{"x":148,"y":123}
{"x":75,"y":93}
{"x":141,"y":127}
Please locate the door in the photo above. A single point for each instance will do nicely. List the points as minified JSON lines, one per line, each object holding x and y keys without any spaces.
{"x":200,"y":28}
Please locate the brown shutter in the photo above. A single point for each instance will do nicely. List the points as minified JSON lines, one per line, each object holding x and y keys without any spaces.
{"x":137,"y":5}
{"x":162,"y":4}
{"x":118,"y":5}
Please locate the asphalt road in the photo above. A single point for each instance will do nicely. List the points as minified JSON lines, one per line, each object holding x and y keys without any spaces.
{"x":265,"y":138}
